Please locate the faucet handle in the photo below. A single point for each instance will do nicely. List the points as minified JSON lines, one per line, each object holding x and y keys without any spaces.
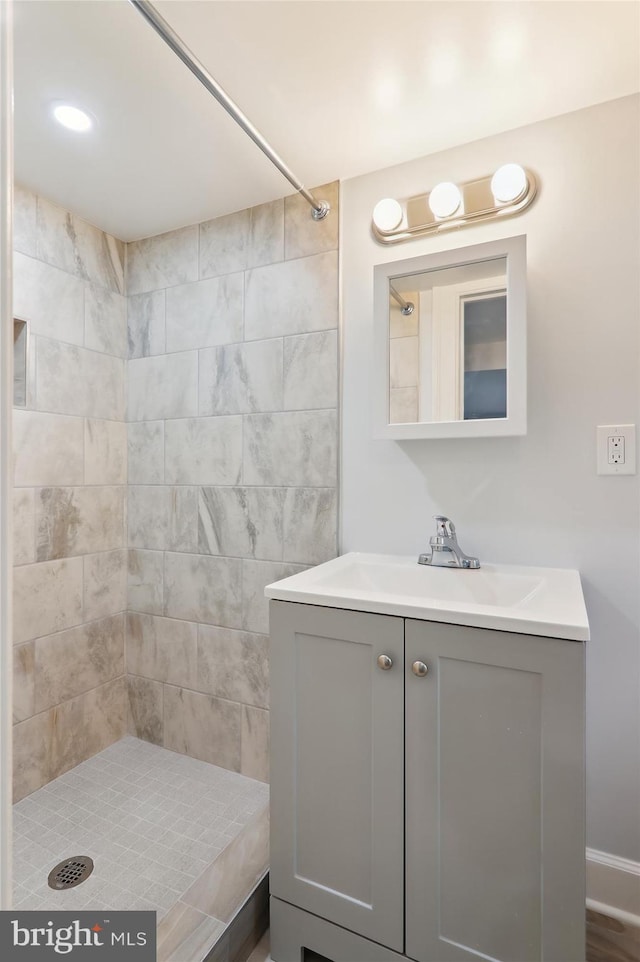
{"x":445,"y":527}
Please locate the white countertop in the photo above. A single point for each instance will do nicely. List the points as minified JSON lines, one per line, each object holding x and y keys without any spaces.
{"x":527,"y":600}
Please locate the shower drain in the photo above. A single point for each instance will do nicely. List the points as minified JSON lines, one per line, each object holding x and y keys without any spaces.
{"x":70,"y":872}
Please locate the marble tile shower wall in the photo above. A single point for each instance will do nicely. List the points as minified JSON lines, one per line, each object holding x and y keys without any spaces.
{"x":70,"y":487}
{"x":232,"y":451}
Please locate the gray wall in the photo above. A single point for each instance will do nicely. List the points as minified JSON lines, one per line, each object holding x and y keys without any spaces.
{"x":70,"y":494}
{"x":232,"y":409}
{"x":536,"y":499}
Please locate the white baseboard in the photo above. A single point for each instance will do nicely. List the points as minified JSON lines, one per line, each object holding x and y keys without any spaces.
{"x":613,"y":886}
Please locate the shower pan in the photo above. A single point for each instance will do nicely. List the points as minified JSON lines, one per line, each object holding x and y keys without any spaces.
{"x":141,"y":827}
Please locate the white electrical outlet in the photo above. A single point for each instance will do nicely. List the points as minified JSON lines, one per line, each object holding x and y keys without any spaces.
{"x":616,"y":449}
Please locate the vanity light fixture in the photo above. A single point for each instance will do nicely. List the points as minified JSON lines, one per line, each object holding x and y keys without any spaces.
{"x":73,"y":118}
{"x":447,"y":205}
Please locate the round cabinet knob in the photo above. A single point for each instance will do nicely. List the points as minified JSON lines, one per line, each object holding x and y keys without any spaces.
{"x":419,"y":668}
{"x":385,"y":662}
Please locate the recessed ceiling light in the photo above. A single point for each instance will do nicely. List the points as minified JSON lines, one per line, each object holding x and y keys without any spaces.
{"x":73,"y":118}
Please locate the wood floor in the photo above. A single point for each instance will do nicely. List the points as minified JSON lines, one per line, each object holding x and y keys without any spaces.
{"x":609,"y":940}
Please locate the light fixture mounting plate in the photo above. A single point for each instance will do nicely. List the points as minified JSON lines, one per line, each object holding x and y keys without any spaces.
{"x":478,"y":203}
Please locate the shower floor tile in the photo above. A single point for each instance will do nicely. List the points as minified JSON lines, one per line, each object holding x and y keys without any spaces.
{"x":152,"y":820}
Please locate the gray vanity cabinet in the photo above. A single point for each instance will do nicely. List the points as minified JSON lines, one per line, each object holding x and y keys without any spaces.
{"x":494,"y":796}
{"x":337,"y":763}
{"x":432,"y":815}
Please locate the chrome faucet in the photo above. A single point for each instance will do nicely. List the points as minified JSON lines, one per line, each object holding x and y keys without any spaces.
{"x":445,"y":550}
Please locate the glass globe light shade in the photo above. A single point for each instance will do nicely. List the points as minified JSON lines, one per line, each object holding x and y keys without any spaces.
{"x":508,"y":183}
{"x":445,"y":199}
{"x":387,"y":214}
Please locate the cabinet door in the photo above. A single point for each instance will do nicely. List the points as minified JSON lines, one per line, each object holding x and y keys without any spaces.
{"x":337,"y":765}
{"x":495,"y":796}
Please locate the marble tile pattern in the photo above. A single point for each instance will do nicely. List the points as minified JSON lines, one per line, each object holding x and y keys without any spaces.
{"x":47,"y":449}
{"x":162,"y":517}
{"x":165,"y":386}
{"x":105,"y":452}
{"x":166,"y":260}
{"x":186,"y":933}
{"x":145,"y":581}
{"x":146,"y":324}
{"x":79,"y":248}
{"x":403,"y":362}
{"x":240,"y":867}
{"x":163,"y":649}
{"x":49,"y":299}
{"x":299,"y":240}
{"x":403,"y":405}
{"x":203,"y":589}
{"x":233,"y":665}
{"x":23,"y":681}
{"x":241,"y":522}
{"x":161,"y":828}
{"x":309,"y":521}
{"x":54,"y":741}
{"x":74,"y":380}
{"x":203,"y":726}
{"x":232,"y":465}
{"x":70,"y":476}
{"x":256,"y":575}
{"x":293,"y":297}
{"x":145,"y":452}
{"x":254,"y":758}
{"x":311,"y":371}
{"x":224,"y":344}
{"x":145,"y":710}
{"x":47,"y":597}
{"x":212,"y":310}
{"x":203,"y":450}
{"x":25,"y":215}
{"x":24,"y":544}
{"x":105,"y":321}
{"x":78,"y":521}
{"x":105,"y":583}
{"x":291,"y":448}
{"x":78,"y":660}
{"x":241,"y":378}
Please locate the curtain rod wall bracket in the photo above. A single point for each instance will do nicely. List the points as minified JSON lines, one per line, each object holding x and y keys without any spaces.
{"x":406,"y":307}
{"x":319,"y":213}
{"x":319,"y":208}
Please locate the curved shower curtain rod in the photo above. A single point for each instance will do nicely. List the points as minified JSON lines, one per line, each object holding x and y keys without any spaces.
{"x":319,"y":208}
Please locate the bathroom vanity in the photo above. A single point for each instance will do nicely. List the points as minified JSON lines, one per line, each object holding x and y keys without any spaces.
{"x":427,"y":743}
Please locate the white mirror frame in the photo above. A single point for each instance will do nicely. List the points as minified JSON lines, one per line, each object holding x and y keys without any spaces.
{"x":514,"y":250}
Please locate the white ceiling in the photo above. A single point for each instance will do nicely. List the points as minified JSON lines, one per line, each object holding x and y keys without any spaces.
{"x":339,"y":88}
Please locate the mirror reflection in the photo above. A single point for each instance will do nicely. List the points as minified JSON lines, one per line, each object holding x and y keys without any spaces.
{"x":448,"y":344}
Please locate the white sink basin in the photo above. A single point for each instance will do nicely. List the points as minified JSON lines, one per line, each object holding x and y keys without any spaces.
{"x":542,"y":601}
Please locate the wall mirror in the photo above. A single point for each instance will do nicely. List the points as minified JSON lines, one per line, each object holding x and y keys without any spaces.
{"x":450,"y":332}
